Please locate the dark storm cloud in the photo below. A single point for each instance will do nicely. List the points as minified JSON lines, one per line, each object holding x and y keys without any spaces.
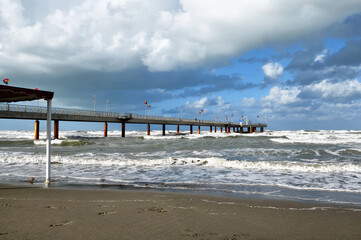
{"x":130,"y":87}
{"x":350,"y":28}
{"x":350,"y":55}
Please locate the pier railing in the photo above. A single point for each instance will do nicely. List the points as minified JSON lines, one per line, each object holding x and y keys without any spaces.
{"x":87,"y":113}
{"x":148,"y":117}
{"x":76,"y":112}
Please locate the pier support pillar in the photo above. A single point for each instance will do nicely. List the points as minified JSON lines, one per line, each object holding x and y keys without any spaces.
{"x":261,"y":129}
{"x":249,"y":130}
{"x":191,"y":129}
{"x":215,"y":129}
{"x":234,"y":129}
{"x":36,"y":130}
{"x":210,"y":128}
{"x":56,"y":129}
{"x":123,"y":129}
{"x":221,"y":129}
{"x":163,"y":132}
{"x":105,"y":130}
{"x":228,"y":129}
{"x":148,"y":129}
{"x":241,"y":129}
{"x":199,"y":129}
{"x":255,"y":129}
{"x":177,"y":129}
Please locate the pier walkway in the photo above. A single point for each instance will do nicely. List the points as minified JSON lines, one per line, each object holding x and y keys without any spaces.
{"x":14,"y":111}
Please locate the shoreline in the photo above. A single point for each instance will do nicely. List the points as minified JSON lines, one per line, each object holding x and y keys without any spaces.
{"x":216,"y":193}
{"x":34,"y":212}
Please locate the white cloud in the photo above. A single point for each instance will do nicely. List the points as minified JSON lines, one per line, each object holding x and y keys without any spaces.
{"x":160,"y":34}
{"x":321,"y":57}
{"x":326,"y":89}
{"x":272,"y":70}
{"x":196,"y":105}
{"x":278,"y":97}
{"x":248,"y":102}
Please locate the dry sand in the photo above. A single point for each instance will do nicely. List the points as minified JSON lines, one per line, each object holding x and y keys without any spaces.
{"x":55,"y":213}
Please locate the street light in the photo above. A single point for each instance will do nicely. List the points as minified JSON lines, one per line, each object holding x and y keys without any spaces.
{"x":106,"y":105}
{"x":95,"y":99}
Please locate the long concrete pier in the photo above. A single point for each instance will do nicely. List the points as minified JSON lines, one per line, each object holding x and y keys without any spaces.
{"x":13,"y":111}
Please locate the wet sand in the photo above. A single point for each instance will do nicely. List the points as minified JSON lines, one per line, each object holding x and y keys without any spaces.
{"x":28,"y":212}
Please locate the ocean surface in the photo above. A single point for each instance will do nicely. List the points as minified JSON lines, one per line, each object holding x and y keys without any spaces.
{"x":316,"y":166}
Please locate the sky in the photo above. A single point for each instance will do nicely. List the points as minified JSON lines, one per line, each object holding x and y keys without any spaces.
{"x":294,"y":64}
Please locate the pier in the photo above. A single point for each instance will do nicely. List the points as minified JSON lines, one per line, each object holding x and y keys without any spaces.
{"x":14,"y":111}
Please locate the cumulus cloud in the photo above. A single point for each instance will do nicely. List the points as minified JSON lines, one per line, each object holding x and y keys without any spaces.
{"x":161,"y":35}
{"x":272,"y":70}
{"x":248,"y":102}
{"x":346,"y":90}
{"x":320,"y":57}
{"x":321,"y":101}
{"x":279,"y":96}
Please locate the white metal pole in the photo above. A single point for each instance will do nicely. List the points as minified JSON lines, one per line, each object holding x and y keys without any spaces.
{"x":106,"y":106}
{"x":95,"y":99}
{"x":48,"y":142}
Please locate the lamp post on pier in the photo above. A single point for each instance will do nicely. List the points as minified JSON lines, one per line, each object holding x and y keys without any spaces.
{"x":106,"y":105}
{"x":95,"y":99}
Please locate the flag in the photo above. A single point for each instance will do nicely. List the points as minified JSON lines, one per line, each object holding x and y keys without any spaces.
{"x":145,"y":102}
{"x":149,"y":105}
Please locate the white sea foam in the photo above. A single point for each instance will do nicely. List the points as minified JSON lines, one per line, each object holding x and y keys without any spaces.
{"x":315,"y":137}
{"x":314,"y":161}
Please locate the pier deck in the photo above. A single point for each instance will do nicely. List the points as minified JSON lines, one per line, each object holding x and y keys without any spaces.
{"x":14,"y":111}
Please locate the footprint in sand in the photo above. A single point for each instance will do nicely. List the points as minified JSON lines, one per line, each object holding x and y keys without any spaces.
{"x":5,"y":205}
{"x":54,"y":207}
{"x":153,"y":209}
{"x":106,"y":206}
{"x":60,"y":224}
{"x":104,"y":213}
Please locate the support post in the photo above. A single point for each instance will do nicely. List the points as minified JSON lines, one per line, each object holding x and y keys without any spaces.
{"x":221,"y":129}
{"x":255,"y":129}
{"x":234,"y":129}
{"x":36,"y":130}
{"x":163,"y":129}
{"x":48,"y":142}
{"x":105,"y":129}
{"x":250,"y":129}
{"x":56,"y":129}
{"x":123,"y":129}
{"x":177,"y":129}
{"x":148,"y":129}
{"x":210,"y":128}
{"x":261,"y":129}
{"x":191,"y":129}
{"x":215,"y":129}
{"x":228,"y":129}
{"x":199,"y":129}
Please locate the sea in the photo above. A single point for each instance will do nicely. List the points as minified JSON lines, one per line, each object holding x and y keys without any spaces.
{"x":308,"y":166}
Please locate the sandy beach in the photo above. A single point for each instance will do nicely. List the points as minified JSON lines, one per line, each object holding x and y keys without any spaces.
{"x":29,"y":212}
